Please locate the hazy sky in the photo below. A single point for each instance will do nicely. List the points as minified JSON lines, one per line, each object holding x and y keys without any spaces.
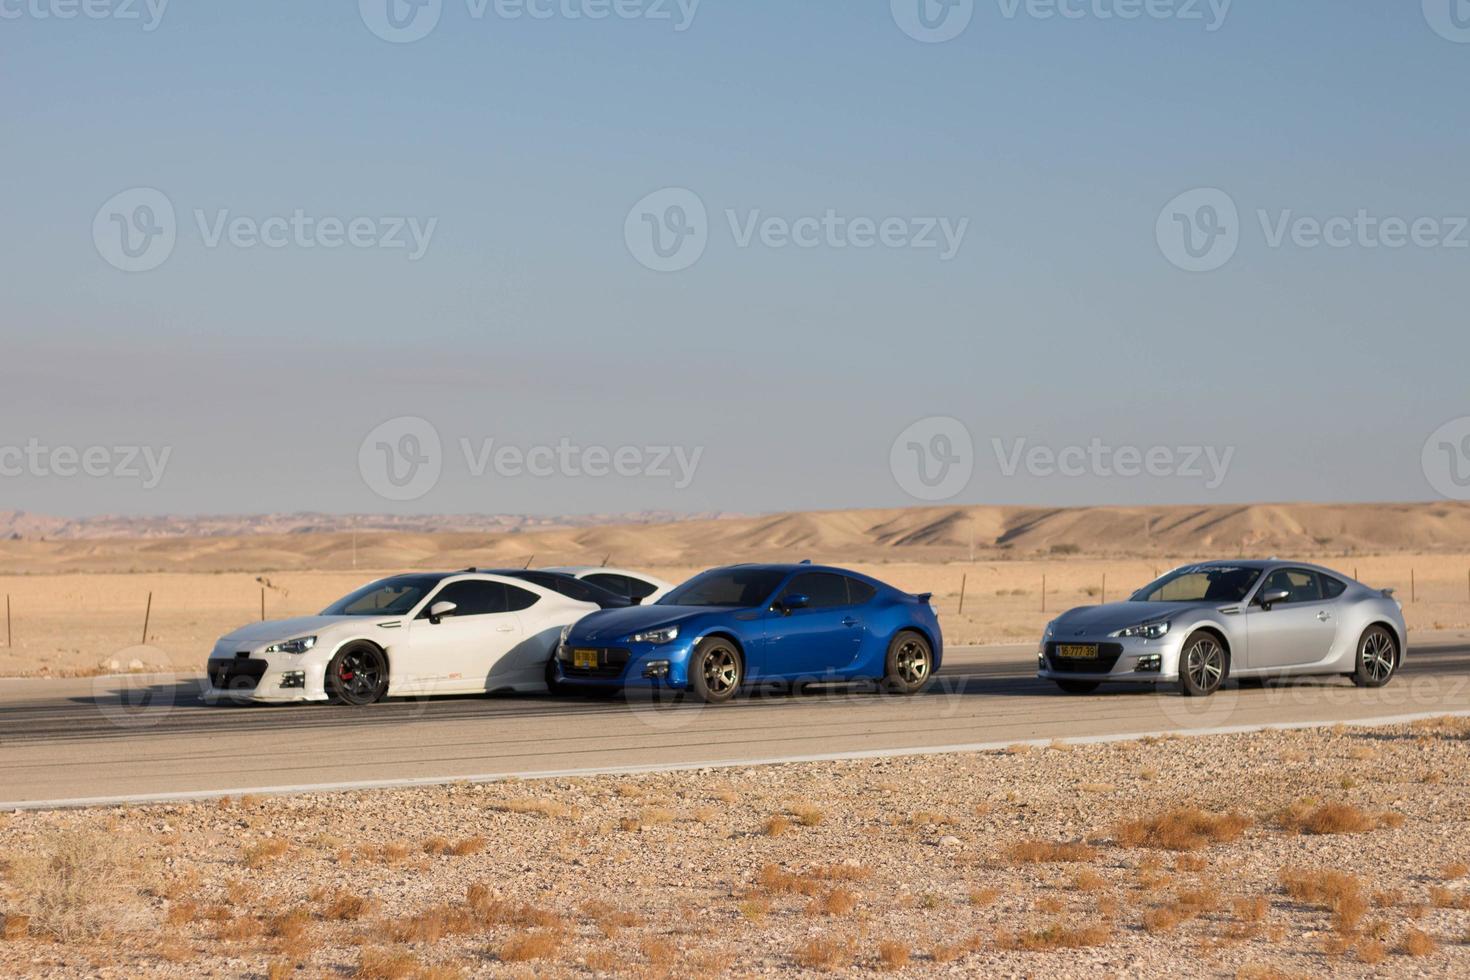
{"x":461,"y":231}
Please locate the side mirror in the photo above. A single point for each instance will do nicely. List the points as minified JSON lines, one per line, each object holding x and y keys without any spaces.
{"x":441,"y":609}
{"x":1270,"y":599}
{"x":795,"y":601}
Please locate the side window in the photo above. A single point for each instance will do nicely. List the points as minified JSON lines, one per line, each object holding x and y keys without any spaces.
{"x":518,"y":599}
{"x":623,"y":585}
{"x":823,"y":589}
{"x":1332,"y":587}
{"x":472,"y":597}
{"x":859,"y":592}
{"x":1302,"y":585}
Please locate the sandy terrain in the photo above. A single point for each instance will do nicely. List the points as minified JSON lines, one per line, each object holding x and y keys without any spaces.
{"x":1350,"y":858}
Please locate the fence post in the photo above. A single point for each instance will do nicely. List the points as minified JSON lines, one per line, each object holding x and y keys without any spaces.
{"x":262,"y":603}
{"x":963,"y":579}
{"x":1104,"y":601}
{"x":147,"y":614}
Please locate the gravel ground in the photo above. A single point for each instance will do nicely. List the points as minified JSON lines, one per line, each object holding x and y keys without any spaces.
{"x":909,"y":865}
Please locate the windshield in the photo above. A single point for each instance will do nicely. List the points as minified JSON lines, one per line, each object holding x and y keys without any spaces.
{"x":394,"y":596}
{"x":726,"y":587}
{"x":1201,"y":583}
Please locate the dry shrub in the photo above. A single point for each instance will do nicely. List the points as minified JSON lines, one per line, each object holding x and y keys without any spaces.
{"x":1372,"y":951}
{"x":824,"y":955}
{"x":1190,"y":863}
{"x":1182,"y":829}
{"x":1161,"y":919}
{"x":181,"y":913}
{"x":436,"y":846}
{"x":467,"y":846}
{"x":893,"y":955}
{"x":1049,"y":852}
{"x":807,"y":815}
{"x":1456,"y":869}
{"x":76,"y":883}
{"x":1334,"y":818}
{"x":492,"y":911}
{"x":346,"y":906}
{"x":981,"y":897}
{"x":755,"y":908}
{"x":13,"y":927}
{"x":290,"y":925}
{"x":280,"y":969}
{"x":1416,"y":942}
{"x":774,"y":879}
{"x":244,"y":928}
{"x":609,"y":918}
{"x":1088,"y":880}
{"x":776,"y":825}
{"x":1055,"y":936}
{"x":524,"y":946}
{"x":660,"y":953}
{"x":839,"y":901}
{"x":260,"y":854}
{"x":1251,"y":910}
{"x":385,"y":964}
{"x":1442,"y":898}
{"x":946,"y":952}
{"x":1340,"y":893}
{"x":432,"y":925}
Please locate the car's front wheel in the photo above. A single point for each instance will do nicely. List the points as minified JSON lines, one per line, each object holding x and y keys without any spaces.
{"x":909,"y":665}
{"x":553,"y":678}
{"x":358,"y":674}
{"x":715,"y":670}
{"x":1378,"y":658}
{"x":1203,"y":665}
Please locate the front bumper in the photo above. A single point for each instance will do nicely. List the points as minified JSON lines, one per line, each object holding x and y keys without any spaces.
{"x":626,"y":665}
{"x":274,"y":678}
{"x":1130,"y":660}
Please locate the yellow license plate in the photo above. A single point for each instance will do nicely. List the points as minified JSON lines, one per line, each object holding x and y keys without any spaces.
{"x":584,"y":659}
{"x":1077,"y":651}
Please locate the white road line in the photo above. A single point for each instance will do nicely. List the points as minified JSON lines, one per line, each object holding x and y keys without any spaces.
{"x":190,"y":796}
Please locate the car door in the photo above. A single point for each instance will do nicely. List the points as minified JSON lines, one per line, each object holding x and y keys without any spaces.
{"x":457,"y":653}
{"x":815,"y":641}
{"x":1295,"y":632}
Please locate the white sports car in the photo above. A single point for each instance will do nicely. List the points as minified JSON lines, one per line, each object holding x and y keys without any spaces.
{"x":408,"y":635}
{"x":643,"y":589}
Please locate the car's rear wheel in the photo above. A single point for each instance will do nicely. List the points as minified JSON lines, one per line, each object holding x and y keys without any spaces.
{"x":1203,"y":665}
{"x":910,"y":664}
{"x":1378,"y":658}
{"x":715,"y":670}
{"x":1078,"y":687}
{"x":358,"y":674}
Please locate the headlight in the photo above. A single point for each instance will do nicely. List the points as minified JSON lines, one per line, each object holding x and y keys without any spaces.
{"x":299,"y":645}
{"x":1148,"y":631}
{"x":664,"y":635}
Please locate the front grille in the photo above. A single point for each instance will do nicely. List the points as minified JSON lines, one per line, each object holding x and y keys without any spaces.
{"x":239,"y":674}
{"x":1107,"y":659}
{"x":610,"y":663}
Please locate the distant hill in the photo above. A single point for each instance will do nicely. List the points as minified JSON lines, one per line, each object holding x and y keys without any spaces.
{"x":918,"y":534}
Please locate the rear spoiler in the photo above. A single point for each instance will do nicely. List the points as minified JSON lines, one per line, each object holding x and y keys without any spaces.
{"x":1388,"y":592}
{"x":923,"y":596}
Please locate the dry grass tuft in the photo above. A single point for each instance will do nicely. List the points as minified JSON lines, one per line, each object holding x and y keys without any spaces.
{"x":432,"y":925}
{"x":13,"y":927}
{"x":839,"y":901}
{"x":1088,"y":880}
{"x":346,"y":906}
{"x":75,"y":884}
{"x":385,"y":964}
{"x":1182,"y":829}
{"x":1334,"y":818}
{"x":776,"y":825}
{"x":1055,"y":936}
{"x":1416,"y":943}
{"x":893,"y":955}
{"x":808,"y":815}
{"x":1336,"y":891}
{"x":609,"y":918}
{"x":436,"y":846}
{"x":1456,"y":869}
{"x":1049,"y":852}
{"x":467,"y":846}
{"x":290,"y":925}
{"x":660,"y":953}
{"x":525,"y":946}
{"x":981,"y":897}
{"x":824,"y":955}
{"x":260,"y":854}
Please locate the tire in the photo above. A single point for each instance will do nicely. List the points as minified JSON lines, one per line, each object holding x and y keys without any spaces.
{"x":716,"y":670}
{"x":909,"y":665}
{"x":553,"y":685}
{"x":358,"y":675}
{"x":1079,"y":687}
{"x":1204,"y":663}
{"x":1378,"y":658}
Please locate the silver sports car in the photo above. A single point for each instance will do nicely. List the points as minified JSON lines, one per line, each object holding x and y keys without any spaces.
{"x":1250,"y":620}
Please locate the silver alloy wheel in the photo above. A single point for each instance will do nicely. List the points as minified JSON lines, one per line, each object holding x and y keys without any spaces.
{"x":721,"y":671}
{"x":1378,"y":657}
{"x":1204,"y":662}
{"x":912,"y":662}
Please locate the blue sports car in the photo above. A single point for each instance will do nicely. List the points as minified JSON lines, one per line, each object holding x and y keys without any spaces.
{"x":753,"y":624}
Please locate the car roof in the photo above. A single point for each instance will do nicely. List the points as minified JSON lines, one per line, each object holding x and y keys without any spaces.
{"x":1265,"y":564}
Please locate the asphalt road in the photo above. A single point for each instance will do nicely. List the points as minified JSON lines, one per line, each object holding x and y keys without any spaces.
{"x":116,"y":739}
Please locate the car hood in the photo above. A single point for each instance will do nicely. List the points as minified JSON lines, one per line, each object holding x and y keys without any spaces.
{"x":1089,"y":620}
{"x":613,"y":624}
{"x":284,"y":629}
